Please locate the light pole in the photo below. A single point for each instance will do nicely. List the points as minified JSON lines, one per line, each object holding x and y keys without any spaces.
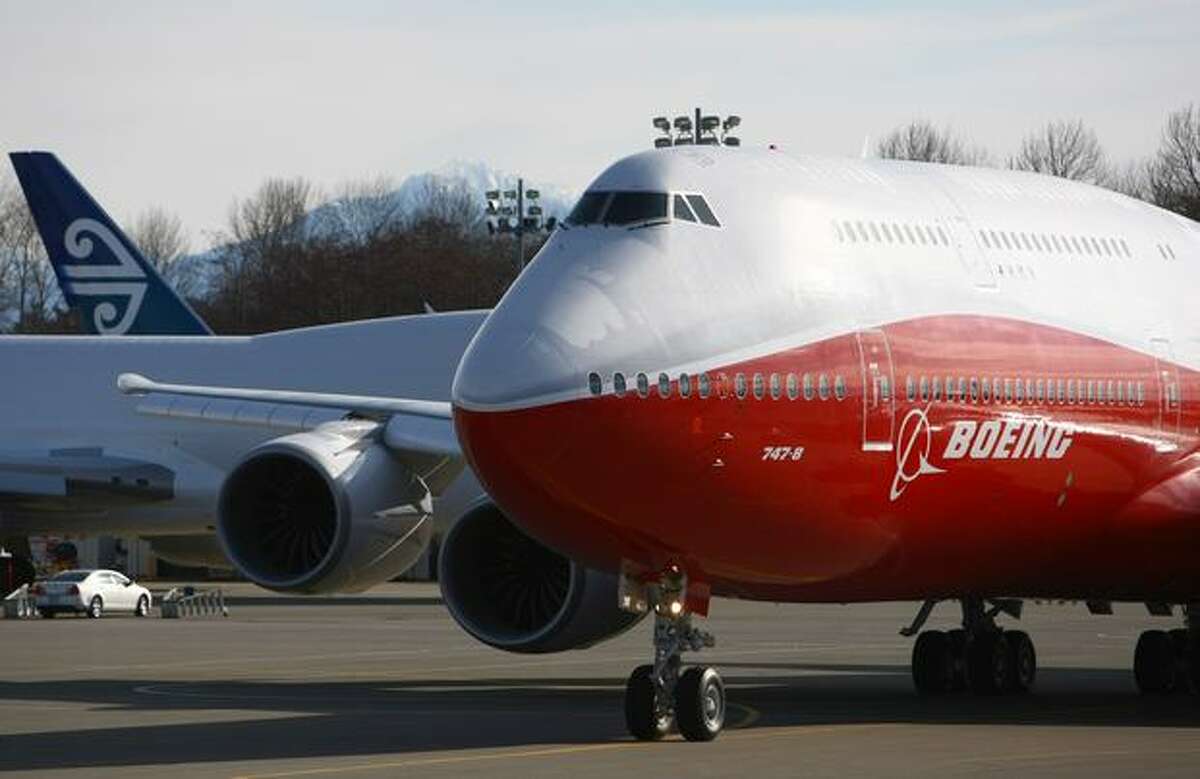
{"x":506,"y":213}
{"x":700,"y":130}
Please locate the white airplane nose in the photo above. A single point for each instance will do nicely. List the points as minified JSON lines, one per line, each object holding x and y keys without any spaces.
{"x":510,"y":367}
{"x":575,"y":310}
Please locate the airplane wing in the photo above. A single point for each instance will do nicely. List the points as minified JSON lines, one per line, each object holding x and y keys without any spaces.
{"x":419,"y":431}
{"x":76,"y":480}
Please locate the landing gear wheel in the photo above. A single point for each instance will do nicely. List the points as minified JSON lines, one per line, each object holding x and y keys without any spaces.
{"x":987,"y":664}
{"x":96,"y":607}
{"x":1181,"y":643}
{"x":932,"y":663}
{"x":143,"y":607}
{"x":1154,"y":663}
{"x":957,"y":639}
{"x":700,"y":704}
{"x":644,"y":718}
{"x":1022,"y":660}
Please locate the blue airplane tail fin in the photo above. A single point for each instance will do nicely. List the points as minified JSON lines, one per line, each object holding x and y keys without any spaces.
{"x":101,"y":272}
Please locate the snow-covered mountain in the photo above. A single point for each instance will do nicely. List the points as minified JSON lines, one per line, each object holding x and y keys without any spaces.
{"x":194,"y":273}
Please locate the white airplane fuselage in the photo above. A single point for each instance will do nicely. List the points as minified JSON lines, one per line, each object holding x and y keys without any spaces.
{"x":871,"y":380}
{"x":60,"y":396}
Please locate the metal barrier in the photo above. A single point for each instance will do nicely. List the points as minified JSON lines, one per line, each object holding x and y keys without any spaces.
{"x":19,"y":605}
{"x":178,"y":604}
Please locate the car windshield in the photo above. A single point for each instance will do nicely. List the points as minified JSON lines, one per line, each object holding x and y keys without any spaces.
{"x":71,"y":576}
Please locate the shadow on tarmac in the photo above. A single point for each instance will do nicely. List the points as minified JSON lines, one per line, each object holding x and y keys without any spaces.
{"x":386,"y":717}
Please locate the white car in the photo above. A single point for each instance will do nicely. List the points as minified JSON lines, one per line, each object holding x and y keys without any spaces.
{"x":91,"y":593}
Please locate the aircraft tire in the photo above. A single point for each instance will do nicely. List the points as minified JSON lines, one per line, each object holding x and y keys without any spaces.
{"x":1022,"y":660}
{"x":700,"y":704}
{"x":642,"y":716}
{"x":1154,"y":663}
{"x":987,"y":663}
{"x":932,"y":663}
{"x":958,"y":657}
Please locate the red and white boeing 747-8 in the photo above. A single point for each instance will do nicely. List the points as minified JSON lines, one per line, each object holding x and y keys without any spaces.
{"x":747,"y":374}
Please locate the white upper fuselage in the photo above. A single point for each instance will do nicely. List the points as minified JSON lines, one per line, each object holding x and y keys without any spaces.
{"x":802,"y":253}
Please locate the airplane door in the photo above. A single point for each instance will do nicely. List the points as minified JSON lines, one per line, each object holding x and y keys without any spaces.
{"x":970,"y":254}
{"x":878,"y":383}
{"x":964,"y":240}
{"x":1167,"y":375}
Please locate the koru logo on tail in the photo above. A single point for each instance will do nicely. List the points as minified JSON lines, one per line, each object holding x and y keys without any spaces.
{"x":1014,"y":438}
{"x":123,"y":280}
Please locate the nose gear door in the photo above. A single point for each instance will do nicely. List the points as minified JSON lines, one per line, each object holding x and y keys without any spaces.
{"x":878,"y":383}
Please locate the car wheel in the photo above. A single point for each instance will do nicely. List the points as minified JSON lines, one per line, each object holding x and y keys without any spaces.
{"x":47,"y":613}
{"x":143,"y":607}
{"x":96,"y":607}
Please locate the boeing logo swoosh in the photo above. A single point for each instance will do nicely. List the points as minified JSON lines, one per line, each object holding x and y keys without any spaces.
{"x":914,"y":445}
{"x":123,"y":280}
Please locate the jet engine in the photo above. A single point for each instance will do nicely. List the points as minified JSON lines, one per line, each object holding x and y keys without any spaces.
{"x":326,"y":510}
{"x":511,"y":592}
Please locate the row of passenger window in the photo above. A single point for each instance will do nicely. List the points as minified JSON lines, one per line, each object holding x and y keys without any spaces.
{"x":894,"y":232}
{"x":1007,"y":390}
{"x":758,"y":385}
{"x":1082,"y":245}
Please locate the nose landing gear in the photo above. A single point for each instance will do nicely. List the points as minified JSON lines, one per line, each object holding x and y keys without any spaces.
{"x":980,"y":657}
{"x":658,"y":694}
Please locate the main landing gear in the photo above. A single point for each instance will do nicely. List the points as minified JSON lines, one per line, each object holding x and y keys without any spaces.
{"x":661,"y":694}
{"x":1168,"y":661}
{"x":980,"y":656}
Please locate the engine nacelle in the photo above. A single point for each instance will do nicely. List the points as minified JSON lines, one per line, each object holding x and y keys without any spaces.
{"x":510,"y":592}
{"x":326,"y":510}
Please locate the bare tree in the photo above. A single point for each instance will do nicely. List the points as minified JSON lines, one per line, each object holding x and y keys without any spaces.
{"x":161,"y":237}
{"x":29,"y":290}
{"x":275,"y":216}
{"x":921,"y":141}
{"x":363,"y":211}
{"x":1174,"y":173}
{"x":1131,"y":179}
{"x":1067,"y":149}
{"x":447,"y":203}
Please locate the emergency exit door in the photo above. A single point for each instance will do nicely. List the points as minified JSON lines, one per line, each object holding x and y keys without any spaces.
{"x":879,"y":403}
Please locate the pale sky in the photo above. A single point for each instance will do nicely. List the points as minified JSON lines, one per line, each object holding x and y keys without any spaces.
{"x":187,"y":105}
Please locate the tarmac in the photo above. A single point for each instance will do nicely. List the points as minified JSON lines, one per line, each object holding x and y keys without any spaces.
{"x":385,"y":684}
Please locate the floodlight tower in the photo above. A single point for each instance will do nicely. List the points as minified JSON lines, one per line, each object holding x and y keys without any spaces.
{"x":506,"y":213}
{"x":699,"y":129}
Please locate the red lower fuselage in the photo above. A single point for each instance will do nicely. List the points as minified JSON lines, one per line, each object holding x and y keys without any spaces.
{"x":931,"y":476}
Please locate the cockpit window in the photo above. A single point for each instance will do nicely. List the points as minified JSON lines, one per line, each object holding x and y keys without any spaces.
{"x":702,"y":210}
{"x":635,"y":207}
{"x":682,"y":210}
{"x":589,"y":208}
{"x":640,"y":209}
